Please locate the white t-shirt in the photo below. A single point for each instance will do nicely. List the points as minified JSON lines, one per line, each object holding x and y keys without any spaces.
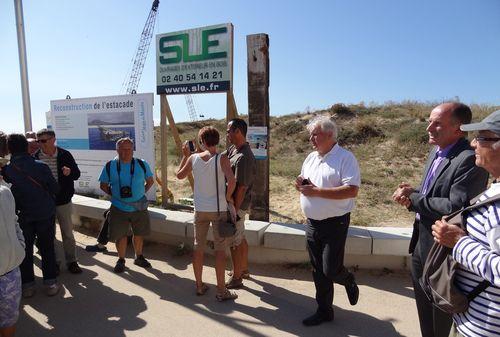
{"x":337,"y":168}
{"x":205,"y":192}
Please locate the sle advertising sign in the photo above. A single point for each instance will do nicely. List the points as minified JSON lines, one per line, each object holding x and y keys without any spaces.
{"x":194,"y":61}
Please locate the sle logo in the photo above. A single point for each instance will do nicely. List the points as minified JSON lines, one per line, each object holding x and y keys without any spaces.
{"x":182,"y":52}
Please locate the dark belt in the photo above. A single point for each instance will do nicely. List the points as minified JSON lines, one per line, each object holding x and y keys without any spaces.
{"x":335,"y":219}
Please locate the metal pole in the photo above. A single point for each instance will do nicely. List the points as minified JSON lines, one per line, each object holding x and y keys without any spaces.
{"x":23,"y":65}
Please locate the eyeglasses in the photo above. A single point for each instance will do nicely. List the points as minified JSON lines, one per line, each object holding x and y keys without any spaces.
{"x":482,"y":140}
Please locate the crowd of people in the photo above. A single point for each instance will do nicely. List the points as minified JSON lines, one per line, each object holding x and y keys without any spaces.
{"x":37,"y":187}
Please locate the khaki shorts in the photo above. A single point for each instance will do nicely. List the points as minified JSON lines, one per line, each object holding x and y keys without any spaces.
{"x":202,"y":222}
{"x":125,"y":223}
{"x":240,"y":229}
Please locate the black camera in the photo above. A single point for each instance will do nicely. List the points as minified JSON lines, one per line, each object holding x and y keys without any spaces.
{"x":306,"y":182}
{"x":125,"y":192}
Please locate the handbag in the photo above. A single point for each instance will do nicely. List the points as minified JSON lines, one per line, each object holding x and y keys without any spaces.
{"x":226,"y":227}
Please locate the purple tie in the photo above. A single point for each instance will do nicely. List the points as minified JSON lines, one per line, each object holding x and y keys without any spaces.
{"x":432,"y":172}
{"x":430,"y":175}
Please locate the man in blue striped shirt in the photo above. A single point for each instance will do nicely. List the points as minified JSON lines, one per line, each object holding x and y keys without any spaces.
{"x":478,"y":249}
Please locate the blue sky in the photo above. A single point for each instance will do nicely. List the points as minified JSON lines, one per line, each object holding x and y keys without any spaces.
{"x":322,"y":52}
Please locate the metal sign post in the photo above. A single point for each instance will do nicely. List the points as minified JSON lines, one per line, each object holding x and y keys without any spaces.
{"x":23,"y":65}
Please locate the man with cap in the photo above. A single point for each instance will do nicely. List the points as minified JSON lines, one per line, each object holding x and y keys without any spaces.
{"x":450,"y":181}
{"x":478,"y":250}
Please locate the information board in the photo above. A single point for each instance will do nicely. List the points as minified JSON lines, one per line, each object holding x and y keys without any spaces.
{"x":90,"y":127}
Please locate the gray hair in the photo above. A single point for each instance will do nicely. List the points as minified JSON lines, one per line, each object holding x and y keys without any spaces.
{"x":325,"y":123}
{"x":124,"y":140}
{"x":496,"y":145}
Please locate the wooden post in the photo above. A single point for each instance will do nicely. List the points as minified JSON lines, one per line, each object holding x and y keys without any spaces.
{"x":165,"y":107}
{"x":231,"y":110}
{"x":163,"y":150}
{"x":258,"y":115}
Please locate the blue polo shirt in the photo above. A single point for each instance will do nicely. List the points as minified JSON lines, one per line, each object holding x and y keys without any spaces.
{"x":136,"y":181}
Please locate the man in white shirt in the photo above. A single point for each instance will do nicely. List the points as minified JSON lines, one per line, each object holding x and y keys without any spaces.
{"x":328,"y":183}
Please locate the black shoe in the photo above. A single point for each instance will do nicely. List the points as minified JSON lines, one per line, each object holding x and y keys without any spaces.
{"x":120,"y":266}
{"x":142,"y":262}
{"x":74,"y":268}
{"x":96,"y":249}
{"x":317,"y":319}
{"x":352,"y":292}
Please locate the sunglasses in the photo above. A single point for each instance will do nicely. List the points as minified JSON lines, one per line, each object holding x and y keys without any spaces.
{"x":43,"y":141}
{"x":486,"y":139}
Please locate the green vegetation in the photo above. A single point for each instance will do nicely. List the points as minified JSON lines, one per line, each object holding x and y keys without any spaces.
{"x":389,"y":141}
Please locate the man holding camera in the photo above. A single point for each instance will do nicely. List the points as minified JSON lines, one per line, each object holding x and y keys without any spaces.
{"x":328,"y":183}
{"x":127,"y":179}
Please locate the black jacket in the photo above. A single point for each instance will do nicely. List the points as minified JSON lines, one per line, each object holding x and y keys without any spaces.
{"x":66,"y":183}
{"x":33,"y":187}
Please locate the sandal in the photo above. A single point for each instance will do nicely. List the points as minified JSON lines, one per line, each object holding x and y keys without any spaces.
{"x":245,"y":274}
{"x":202,"y":290}
{"x":225,"y":296}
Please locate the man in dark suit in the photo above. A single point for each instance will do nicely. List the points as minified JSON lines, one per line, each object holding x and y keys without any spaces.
{"x":450,"y":180}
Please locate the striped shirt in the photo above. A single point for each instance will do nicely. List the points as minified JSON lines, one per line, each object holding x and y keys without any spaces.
{"x":51,"y":162}
{"x":479,"y":258}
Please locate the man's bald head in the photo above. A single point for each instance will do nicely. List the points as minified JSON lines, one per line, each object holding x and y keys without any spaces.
{"x":460,"y":112}
{"x":445,"y":121}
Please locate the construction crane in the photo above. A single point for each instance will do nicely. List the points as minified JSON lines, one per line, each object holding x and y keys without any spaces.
{"x":131,"y":81}
{"x":191,"y":108}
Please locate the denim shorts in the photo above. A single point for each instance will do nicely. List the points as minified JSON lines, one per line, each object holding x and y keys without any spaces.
{"x":10,"y":297}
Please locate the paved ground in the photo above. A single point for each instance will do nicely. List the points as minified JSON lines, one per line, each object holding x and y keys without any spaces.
{"x":161,"y":302}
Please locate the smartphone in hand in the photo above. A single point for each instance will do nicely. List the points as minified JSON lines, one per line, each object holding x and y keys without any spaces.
{"x":191,"y":146}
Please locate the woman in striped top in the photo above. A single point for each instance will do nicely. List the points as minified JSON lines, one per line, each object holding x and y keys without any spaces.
{"x":478,"y":249}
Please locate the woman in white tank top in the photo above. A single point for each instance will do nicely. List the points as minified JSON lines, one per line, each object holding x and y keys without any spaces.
{"x":204,"y":166}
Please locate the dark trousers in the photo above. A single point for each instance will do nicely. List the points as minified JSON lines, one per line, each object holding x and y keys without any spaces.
{"x":103,"y":237}
{"x":325,"y":244}
{"x":433,"y":321}
{"x":44,"y":232}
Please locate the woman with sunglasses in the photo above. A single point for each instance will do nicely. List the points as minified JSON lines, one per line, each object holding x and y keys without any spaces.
{"x":477,"y":249}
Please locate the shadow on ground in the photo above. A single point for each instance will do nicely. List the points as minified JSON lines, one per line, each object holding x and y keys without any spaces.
{"x":89,"y":307}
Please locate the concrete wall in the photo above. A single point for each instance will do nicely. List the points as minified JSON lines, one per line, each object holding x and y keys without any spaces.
{"x":366,"y":247}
